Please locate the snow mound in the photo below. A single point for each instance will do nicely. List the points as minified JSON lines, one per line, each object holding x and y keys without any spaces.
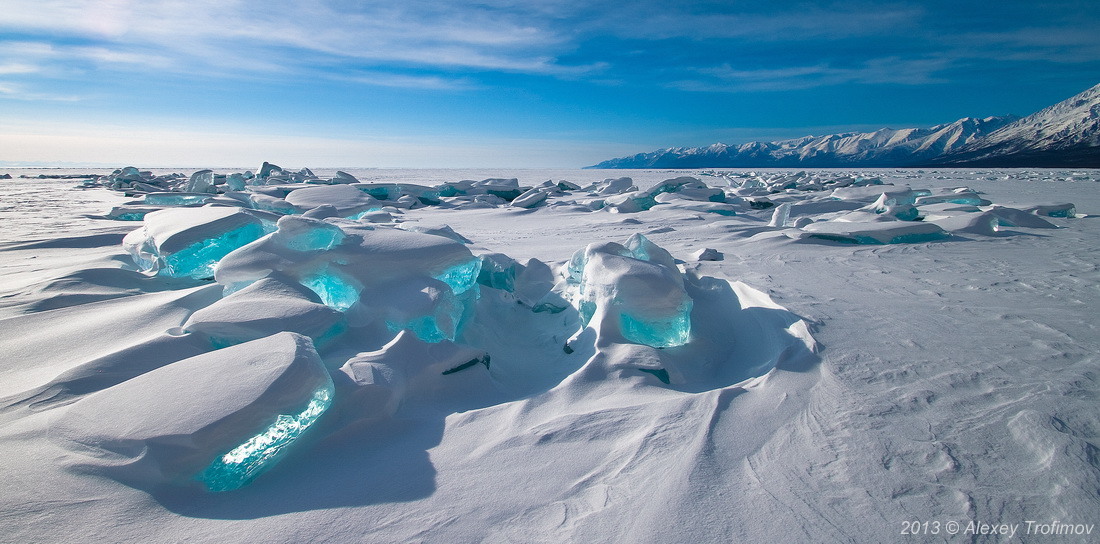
{"x":220,"y":418}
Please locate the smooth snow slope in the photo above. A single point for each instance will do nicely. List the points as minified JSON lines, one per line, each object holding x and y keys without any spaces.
{"x":955,"y":380}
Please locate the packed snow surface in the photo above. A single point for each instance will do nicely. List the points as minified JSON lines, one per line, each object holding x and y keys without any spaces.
{"x":287,"y":355}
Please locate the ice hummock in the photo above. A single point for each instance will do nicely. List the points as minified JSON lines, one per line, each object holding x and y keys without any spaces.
{"x":633,"y":290}
{"x":402,"y":318}
{"x":190,"y":242}
{"x":404,"y":279}
{"x":220,"y":418}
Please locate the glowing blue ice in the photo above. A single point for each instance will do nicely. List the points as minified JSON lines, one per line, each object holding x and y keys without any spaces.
{"x":244,"y":463}
{"x":335,"y":290}
{"x":461,"y":277}
{"x":444,"y":323}
{"x":497,"y":271}
{"x":323,"y":237}
{"x":174,"y":199}
{"x":659,"y":333}
{"x":198,"y":260}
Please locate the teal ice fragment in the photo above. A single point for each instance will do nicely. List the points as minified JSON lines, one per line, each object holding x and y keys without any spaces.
{"x":335,"y":290}
{"x":174,"y":199}
{"x":462,"y":276}
{"x":198,"y":260}
{"x":444,"y":323}
{"x":323,"y":237}
{"x":587,"y":309}
{"x":242,"y":464}
{"x":498,"y":272}
{"x":664,"y":332}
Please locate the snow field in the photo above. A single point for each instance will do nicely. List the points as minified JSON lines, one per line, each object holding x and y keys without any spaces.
{"x":948,"y":366}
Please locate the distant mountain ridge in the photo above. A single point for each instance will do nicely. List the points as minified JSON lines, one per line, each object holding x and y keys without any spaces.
{"x":1066,"y":134}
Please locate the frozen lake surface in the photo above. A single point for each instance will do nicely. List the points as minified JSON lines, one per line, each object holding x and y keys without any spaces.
{"x":802,"y":381}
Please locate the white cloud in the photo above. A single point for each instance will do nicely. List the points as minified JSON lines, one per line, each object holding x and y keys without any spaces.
{"x":887,"y":70}
{"x":269,"y":35}
{"x":16,"y":91}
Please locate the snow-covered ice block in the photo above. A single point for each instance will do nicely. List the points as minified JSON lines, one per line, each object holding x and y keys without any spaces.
{"x":405,"y":279}
{"x":129,"y":213}
{"x":267,"y":170}
{"x":175,"y":199}
{"x":396,"y":191}
{"x":405,"y":365}
{"x":347,"y":200}
{"x":273,"y":204}
{"x":264,"y":308}
{"x":442,"y":230}
{"x":1053,"y":210}
{"x":882,"y":232}
{"x":986,"y":223}
{"x":633,"y":202}
{"x":505,"y":188}
{"x":631,"y":292}
{"x":780,"y":215}
{"x":615,"y":186}
{"x":221,"y":418}
{"x":188,"y":242}
{"x":967,"y":197}
{"x":1012,"y":217}
{"x":890,"y":206}
{"x":865,"y":194}
{"x":533,"y":197}
{"x":201,"y":182}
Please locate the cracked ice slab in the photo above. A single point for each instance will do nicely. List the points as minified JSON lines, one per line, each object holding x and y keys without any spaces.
{"x":171,"y":424}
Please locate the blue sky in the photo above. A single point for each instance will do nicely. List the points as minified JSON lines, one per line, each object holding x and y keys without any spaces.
{"x":503,"y":83}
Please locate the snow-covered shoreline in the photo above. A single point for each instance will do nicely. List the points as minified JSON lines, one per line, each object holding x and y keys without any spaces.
{"x":956,"y":380}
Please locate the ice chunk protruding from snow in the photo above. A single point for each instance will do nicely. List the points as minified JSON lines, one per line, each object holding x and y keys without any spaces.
{"x":201,"y":182}
{"x":190,"y":242}
{"x":266,"y":307}
{"x":1054,"y":210}
{"x":405,"y":365}
{"x":244,"y":463}
{"x":886,"y":232}
{"x":347,"y":200}
{"x":781,"y":215}
{"x":384,"y":275}
{"x":222,"y":417}
{"x":175,"y":199}
{"x":334,"y":288}
{"x":634,"y":292}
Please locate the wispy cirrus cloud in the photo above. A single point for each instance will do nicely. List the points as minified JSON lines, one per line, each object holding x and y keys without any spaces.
{"x":16,"y":91}
{"x":889,"y":70}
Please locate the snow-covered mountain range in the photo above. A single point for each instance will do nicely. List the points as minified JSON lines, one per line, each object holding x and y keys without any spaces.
{"x":1066,"y":134}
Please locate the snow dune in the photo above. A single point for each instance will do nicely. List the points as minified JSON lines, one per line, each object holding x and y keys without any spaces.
{"x":471,"y":356}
